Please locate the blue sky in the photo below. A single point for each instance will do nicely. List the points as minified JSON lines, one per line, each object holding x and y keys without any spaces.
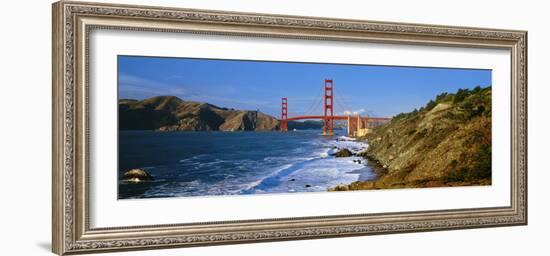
{"x":259,"y":85}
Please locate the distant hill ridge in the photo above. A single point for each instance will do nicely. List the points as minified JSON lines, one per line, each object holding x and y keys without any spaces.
{"x":170,"y":113}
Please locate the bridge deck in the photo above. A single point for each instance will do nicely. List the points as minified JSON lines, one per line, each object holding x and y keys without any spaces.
{"x":374,"y":119}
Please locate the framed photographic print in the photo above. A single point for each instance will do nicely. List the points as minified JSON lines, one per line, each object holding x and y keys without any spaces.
{"x":179,"y":127}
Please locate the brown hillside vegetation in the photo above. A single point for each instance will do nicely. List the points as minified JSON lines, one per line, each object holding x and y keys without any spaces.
{"x":445,"y":143}
{"x":170,"y":113}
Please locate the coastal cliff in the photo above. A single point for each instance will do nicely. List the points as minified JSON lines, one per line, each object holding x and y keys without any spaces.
{"x":170,"y":113}
{"x":445,"y":143}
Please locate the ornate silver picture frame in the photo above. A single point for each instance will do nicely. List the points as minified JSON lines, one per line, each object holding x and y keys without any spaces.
{"x":72,"y":24}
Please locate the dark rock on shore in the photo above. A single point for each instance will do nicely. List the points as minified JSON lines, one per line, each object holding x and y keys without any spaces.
{"x":136,"y":175}
{"x":344,"y":153}
{"x":362,"y":153}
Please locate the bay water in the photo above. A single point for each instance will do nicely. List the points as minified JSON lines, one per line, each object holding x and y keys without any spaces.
{"x":237,"y":163}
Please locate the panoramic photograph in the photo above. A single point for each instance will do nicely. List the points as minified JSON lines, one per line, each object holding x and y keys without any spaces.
{"x":212,"y":127}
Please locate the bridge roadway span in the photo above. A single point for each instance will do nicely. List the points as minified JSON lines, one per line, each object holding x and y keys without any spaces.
{"x":371,"y":119}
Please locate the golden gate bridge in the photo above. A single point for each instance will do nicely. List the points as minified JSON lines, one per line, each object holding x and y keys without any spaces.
{"x":357,"y":125}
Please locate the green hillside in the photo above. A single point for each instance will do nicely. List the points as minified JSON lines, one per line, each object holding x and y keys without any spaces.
{"x":445,"y":143}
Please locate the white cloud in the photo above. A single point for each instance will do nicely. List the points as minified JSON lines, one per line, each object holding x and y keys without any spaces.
{"x":354,"y":112}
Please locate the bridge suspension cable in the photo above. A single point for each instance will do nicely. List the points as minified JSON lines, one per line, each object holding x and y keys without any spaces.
{"x":341,"y":108}
{"x":357,"y":126}
{"x":317,"y":101}
{"x":343,"y":104}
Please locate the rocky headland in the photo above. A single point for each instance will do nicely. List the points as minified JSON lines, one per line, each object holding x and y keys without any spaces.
{"x":170,"y":113}
{"x":445,"y":143}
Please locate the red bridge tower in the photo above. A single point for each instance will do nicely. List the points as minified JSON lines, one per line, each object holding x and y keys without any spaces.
{"x":357,"y":125}
{"x":328,"y":108}
{"x":284,"y":115}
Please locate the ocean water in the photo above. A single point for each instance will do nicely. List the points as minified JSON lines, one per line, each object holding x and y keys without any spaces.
{"x":234,"y":163}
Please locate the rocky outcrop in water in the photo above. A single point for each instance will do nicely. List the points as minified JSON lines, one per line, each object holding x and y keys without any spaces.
{"x":343,"y":153}
{"x":136,"y":175}
{"x":170,"y":113}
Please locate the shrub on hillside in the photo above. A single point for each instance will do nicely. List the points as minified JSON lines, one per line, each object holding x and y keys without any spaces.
{"x":460,"y":95}
{"x":431,"y":104}
{"x":442,"y":97}
{"x":479,"y":169}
